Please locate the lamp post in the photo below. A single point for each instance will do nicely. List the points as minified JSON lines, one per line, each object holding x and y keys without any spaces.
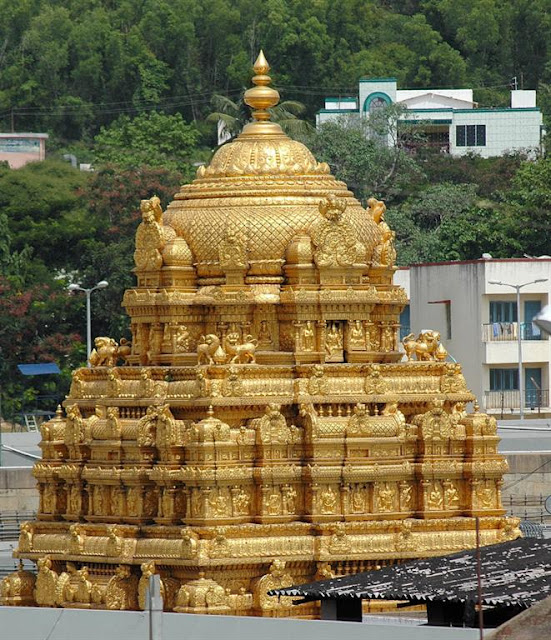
{"x":517,"y":288}
{"x":76,"y":287}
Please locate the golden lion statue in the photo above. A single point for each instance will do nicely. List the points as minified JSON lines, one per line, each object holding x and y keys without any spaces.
{"x":240,"y":353}
{"x":425,"y":347}
{"x":105,"y":353}
{"x":108,"y":352}
{"x":207,"y":348}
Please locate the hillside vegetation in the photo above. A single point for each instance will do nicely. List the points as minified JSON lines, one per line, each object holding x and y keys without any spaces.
{"x":129,"y":86}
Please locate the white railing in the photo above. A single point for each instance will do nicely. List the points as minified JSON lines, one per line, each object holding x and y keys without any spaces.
{"x":534,"y":399}
{"x":507,"y":331}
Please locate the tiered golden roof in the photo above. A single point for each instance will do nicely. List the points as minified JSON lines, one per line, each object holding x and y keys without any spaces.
{"x":263,"y":429}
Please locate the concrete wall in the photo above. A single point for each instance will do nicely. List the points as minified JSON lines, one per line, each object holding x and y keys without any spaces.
{"x":535,"y":353}
{"x":460,"y":283}
{"x":31,"y":623}
{"x":377,"y":85}
{"x":466,"y":285}
{"x":18,"y":490}
{"x":465,"y":95}
{"x":506,"y":129}
{"x":401,"y":278}
{"x":17,"y":149}
{"x":529,"y":474}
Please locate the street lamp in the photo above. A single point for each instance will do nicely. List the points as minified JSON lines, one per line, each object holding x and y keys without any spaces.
{"x":543,"y":319}
{"x":76,"y":287}
{"x":517,"y":288}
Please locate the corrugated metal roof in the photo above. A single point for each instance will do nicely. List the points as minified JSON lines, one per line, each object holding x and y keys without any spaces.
{"x":513,"y":573}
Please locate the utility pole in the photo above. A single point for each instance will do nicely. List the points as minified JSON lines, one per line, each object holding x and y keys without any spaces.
{"x":88,"y":292}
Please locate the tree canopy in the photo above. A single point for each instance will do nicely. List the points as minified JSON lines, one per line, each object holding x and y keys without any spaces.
{"x":128,"y":86}
{"x":72,"y":67}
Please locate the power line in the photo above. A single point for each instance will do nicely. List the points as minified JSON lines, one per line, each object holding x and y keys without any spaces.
{"x":29,"y":111}
{"x":132,"y":103}
{"x":173,"y":102}
{"x":63,"y":110}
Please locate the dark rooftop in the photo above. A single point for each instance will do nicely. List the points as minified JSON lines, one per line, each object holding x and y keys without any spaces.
{"x":516,"y":573}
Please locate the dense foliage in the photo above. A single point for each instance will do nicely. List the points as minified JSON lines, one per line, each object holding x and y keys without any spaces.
{"x":72,"y":66}
{"x":60,"y":225}
{"x":130,"y":85}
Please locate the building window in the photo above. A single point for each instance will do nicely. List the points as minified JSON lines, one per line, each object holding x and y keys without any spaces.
{"x":405,"y":320}
{"x":503,"y":379}
{"x":448,"y":308}
{"x":376,"y":100}
{"x":534,"y":395}
{"x":503,"y":311}
{"x":470,"y":135}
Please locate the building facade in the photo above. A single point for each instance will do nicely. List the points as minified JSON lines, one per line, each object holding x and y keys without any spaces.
{"x":18,"y":149}
{"x":449,"y":118}
{"x":479,"y":319}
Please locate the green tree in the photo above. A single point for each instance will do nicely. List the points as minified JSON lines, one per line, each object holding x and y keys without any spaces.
{"x":151,"y":139}
{"x":357,"y":153}
{"x":492,"y":175}
{"x":480,"y":229}
{"x":234,"y":115}
{"x":41,"y":202}
{"x":35,"y":326}
{"x":527,"y":206}
{"x":420,"y":220}
{"x":112,"y":198}
{"x":438,"y":202}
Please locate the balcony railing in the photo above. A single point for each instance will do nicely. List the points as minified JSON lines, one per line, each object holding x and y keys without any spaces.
{"x":507,"y":331}
{"x":534,"y":399}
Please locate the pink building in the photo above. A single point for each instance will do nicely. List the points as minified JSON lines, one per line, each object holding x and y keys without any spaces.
{"x":19,"y":148}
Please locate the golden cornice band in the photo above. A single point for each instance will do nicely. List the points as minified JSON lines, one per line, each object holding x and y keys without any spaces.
{"x":262,"y":427}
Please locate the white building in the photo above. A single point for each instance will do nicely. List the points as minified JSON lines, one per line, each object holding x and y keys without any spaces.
{"x":17,"y":149}
{"x":449,"y":118}
{"x":479,"y":324}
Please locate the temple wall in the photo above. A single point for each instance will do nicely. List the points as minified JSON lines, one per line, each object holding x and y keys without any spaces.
{"x":18,"y":490}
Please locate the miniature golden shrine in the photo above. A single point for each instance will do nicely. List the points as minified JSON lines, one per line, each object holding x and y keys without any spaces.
{"x":262,"y":429}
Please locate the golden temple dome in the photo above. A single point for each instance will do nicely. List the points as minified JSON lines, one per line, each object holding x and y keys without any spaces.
{"x":262,"y":428}
{"x":265,"y":189}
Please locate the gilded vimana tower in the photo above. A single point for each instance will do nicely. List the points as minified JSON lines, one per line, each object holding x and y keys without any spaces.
{"x":263,"y":428}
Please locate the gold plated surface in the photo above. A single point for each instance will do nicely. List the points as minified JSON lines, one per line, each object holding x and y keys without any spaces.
{"x":261,"y":428}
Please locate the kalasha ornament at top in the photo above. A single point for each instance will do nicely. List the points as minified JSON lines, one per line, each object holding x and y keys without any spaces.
{"x":261,"y":428}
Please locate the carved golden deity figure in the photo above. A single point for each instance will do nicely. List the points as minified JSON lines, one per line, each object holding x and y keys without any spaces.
{"x":263,"y":429}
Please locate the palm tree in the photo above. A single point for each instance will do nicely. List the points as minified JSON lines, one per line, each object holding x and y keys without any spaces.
{"x":232,"y":116}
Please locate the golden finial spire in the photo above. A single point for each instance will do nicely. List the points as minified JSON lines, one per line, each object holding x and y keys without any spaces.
{"x":260,"y":98}
{"x":261,"y":66}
